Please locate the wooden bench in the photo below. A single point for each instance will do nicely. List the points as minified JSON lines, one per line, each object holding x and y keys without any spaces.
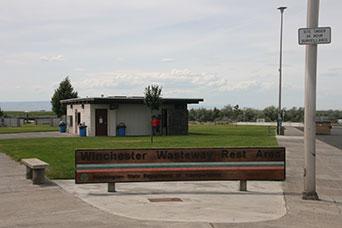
{"x":35,"y":170}
{"x":179,"y":164}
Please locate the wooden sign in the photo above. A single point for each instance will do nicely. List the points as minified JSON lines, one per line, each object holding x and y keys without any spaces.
{"x":179,"y":164}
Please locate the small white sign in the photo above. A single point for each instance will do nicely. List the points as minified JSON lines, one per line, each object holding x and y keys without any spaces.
{"x":321,"y":35}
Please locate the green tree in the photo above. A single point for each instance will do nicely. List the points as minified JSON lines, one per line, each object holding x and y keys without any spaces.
{"x":270,"y":113}
{"x":250,"y":115}
{"x":294,"y":114}
{"x":64,"y":91}
{"x":227,"y":113}
{"x":193,"y":115}
{"x":217,"y":115}
{"x":1,"y":113}
{"x":153,"y":100}
{"x":205,"y":115}
{"x":237,"y":112}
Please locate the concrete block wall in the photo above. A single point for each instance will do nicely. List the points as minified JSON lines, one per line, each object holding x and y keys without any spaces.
{"x":85,"y":117}
{"x":178,"y":119}
{"x":136,"y":117}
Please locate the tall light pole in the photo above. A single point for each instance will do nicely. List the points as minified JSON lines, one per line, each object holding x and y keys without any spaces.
{"x":310,"y":107}
{"x":279,"y":120}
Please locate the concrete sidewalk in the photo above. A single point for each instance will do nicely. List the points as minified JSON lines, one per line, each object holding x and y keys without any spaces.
{"x":25,"y":205}
{"x":28,"y":135}
{"x":300,"y":213}
{"x":22,"y":204}
{"x":201,"y":201}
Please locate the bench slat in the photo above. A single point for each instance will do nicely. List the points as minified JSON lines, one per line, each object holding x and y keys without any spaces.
{"x":34,"y":163}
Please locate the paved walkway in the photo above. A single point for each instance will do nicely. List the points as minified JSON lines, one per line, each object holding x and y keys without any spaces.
{"x":25,"y":205}
{"x":26,"y":135}
{"x":22,"y":204}
{"x":204,"y":201}
{"x":301,"y":213}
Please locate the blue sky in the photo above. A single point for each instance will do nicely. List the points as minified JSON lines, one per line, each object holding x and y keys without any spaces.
{"x":225,"y":51}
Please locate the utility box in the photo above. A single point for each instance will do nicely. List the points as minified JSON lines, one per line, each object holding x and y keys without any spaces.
{"x":323,"y":127}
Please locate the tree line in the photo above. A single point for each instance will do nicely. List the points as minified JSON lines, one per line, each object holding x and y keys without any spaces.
{"x":231,"y":113}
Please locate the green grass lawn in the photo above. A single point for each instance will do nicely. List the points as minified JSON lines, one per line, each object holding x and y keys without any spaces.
{"x":27,"y":128}
{"x":59,"y":152}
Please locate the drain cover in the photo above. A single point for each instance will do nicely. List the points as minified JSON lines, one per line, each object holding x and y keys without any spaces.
{"x":155,"y":200}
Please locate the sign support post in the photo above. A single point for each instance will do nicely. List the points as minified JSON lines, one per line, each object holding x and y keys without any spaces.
{"x":310,"y":107}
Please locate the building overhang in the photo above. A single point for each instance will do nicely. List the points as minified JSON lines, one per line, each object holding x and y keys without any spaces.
{"x":128,"y":100}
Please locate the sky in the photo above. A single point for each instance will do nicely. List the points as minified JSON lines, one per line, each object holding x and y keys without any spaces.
{"x":225,"y":51}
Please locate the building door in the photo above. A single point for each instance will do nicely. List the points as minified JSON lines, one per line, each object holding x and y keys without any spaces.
{"x":101,"y":126}
{"x":164,"y":124}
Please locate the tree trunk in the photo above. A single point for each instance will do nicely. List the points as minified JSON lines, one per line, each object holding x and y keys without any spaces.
{"x":151,"y":128}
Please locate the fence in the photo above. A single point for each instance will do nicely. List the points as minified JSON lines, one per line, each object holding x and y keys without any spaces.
{"x":11,"y":122}
{"x":52,"y":121}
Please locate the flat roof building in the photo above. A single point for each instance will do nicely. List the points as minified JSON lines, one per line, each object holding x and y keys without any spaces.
{"x":102,"y":115}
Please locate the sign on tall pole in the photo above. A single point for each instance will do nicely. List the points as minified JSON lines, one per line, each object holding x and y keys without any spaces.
{"x":321,"y":35}
{"x":310,"y":107}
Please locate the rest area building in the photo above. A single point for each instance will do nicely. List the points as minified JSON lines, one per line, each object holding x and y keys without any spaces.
{"x":102,"y":115}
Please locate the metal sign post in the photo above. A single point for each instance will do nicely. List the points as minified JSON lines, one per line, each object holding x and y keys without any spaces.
{"x":311,"y":36}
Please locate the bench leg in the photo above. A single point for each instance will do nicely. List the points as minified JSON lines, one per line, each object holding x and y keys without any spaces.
{"x":243,"y":185}
{"x":28,"y":173}
{"x":38,"y":176}
{"x":111,"y":187}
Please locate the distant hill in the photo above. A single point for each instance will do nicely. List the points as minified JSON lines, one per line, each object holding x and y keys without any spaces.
{"x":25,"y":106}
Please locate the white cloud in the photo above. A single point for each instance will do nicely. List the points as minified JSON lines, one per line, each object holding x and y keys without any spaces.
{"x":166,"y":60}
{"x":19,"y":58}
{"x":174,"y":80}
{"x":231,"y":56}
{"x":79,"y":69}
{"x":52,"y":58}
{"x":119,"y":59}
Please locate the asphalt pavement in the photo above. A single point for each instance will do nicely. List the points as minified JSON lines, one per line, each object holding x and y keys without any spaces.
{"x":25,"y":205}
{"x":335,"y":139}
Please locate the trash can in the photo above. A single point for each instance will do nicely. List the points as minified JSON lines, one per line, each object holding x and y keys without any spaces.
{"x":121,"y":129}
{"x":83,"y":130}
{"x":62,"y":127}
{"x":282,"y":130}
